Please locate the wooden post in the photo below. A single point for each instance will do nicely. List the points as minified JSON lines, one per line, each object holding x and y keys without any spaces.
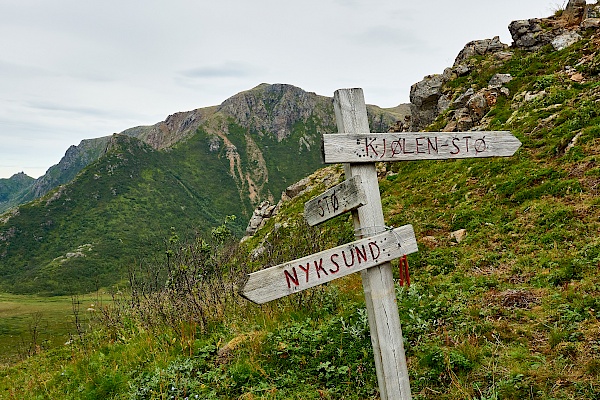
{"x":378,"y":283}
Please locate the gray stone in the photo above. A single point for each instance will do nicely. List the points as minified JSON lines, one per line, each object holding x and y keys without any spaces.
{"x":461,"y":101}
{"x":424,"y":99}
{"x":427,"y":91}
{"x":461,"y":70}
{"x":503,"y":55}
{"x":499,"y":80}
{"x":443,"y":103}
{"x":590,"y":23}
{"x":480,"y":47}
{"x":528,"y":34}
{"x":259,"y":217}
{"x":565,"y":40}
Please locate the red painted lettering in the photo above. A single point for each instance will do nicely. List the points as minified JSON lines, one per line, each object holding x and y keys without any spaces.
{"x":370,"y":144}
{"x":337,"y":266}
{"x":419,"y":144}
{"x":319,"y":267}
{"x":480,"y":145}
{"x":359,"y":254}
{"x":467,"y":142}
{"x":305,"y":270}
{"x":431,"y":147}
{"x":291,"y":278}
{"x":396,"y":147}
{"x":345,"y":261}
{"x":404,"y":147}
{"x":372,"y":246}
{"x":321,"y":209}
{"x":455,"y":146}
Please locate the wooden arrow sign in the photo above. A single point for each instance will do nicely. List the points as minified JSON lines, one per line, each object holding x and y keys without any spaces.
{"x":413,"y":146}
{"x":316,"y":269}
{"x":339,"y":199}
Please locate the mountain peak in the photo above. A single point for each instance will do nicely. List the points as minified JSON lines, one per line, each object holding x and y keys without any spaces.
{"x":272,"y":108}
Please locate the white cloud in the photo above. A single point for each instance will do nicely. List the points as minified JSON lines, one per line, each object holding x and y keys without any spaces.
{"x":75,"y":69}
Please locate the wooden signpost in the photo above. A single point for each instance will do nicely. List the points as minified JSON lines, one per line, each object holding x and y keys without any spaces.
{"x":359,"y":150}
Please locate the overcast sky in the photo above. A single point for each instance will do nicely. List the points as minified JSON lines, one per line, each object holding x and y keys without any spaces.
{"x":79,"y":69}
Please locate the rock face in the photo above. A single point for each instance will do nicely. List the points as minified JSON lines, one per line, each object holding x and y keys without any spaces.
{"x":560,"y":31}
{"x":427,"y":97}
{"x":424,"y":98}
{"x":272,"y":108}
{"x":528,"y":34}
{"x":173,"y":129}
{"x":471,"y":106}
{"x":479,"y":47}
{"x":430,"y":98}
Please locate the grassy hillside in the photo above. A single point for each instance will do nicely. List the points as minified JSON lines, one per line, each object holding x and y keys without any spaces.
{"x":12,"y":188}
{"x":121,"y":209}
{"x":510,"y":312}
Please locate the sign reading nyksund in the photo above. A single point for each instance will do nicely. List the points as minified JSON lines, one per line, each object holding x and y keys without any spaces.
{"x":294,"y":276}
{"x":372,"y":147}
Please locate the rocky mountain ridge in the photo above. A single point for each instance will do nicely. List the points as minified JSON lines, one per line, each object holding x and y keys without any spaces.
{"x":268,"y":109}
{"x":122,"y":194}
{"x":430,"y":99}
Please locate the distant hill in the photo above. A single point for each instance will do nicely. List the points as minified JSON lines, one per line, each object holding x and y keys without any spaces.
{"x":115,"y":199}
{"x":11,"y":188}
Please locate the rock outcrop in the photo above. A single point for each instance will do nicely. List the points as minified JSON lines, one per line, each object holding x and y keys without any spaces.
{"x":427,"y":97}
{"x":327,"y":177}
{"x":479,"y":48}
{"x":272,"y":108}
{"x":430,"y":98}
{"x":425,"y":101}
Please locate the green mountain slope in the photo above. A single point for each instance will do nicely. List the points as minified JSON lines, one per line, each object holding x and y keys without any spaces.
{"x":75,"y":159}
{"x":11,"y":189}
{"x":127,"y":193}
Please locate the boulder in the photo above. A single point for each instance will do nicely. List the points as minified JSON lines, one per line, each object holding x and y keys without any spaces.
{"x":425,"y":98}
{"x":565,"y":40}
{"x":461,"y":101}
{"x":480,"y":47}
{"x":260,"y":216}
{"x":499,"y":80}
{"x":528,"y":34}
{"x":590,"y":23}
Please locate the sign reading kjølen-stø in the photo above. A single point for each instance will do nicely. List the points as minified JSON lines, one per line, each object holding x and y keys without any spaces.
{"x":412,"y":146}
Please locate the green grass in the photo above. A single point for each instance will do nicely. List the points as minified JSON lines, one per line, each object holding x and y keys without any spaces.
{"x":30,"y":324}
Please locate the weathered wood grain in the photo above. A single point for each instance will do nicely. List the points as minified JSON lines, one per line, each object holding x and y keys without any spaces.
{"x":414,"y":146}
{"x":339,"y":199}
{"x":378,"y":282}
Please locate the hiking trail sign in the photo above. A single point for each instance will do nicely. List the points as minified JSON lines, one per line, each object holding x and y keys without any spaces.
{"x":347,"y":196}
{"x":359,"y":150}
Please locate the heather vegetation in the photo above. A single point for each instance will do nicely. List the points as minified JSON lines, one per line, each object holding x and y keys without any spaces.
{"x":510,"y":312}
